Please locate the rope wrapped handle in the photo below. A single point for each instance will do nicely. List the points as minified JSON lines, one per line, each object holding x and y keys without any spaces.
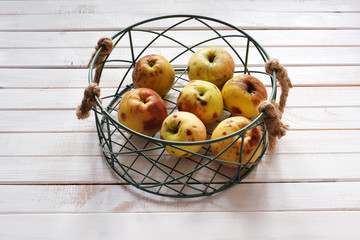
{"x":273,"y":111}
{"x":88,"y":101}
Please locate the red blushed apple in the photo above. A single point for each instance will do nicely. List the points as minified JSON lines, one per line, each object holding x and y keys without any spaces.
{"x":154,"y":72}
{"x":142,"y":110}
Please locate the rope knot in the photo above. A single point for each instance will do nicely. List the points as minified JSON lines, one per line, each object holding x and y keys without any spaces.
{"x":88,"y":101}
{"x":273,"y":111}
{"x":107,"y":46}
{"x":272,"y":119}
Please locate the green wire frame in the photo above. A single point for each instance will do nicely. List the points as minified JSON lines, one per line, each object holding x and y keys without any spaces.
{"x":142,"y":160}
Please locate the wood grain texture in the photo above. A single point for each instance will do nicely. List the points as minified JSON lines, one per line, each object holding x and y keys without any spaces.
{"x":79,"y":58}
{"x":125,"y":17}
{"x":249,"y":197}
{"x":267,"y":38}
{"x":112,"y":6}
{"x":189,"y":225}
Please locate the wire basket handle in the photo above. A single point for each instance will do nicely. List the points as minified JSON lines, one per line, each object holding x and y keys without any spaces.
{"x":273,"y":111}
{"x":88,"y":101}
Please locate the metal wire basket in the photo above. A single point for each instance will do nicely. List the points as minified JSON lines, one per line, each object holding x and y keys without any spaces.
{"x":142,"y":160}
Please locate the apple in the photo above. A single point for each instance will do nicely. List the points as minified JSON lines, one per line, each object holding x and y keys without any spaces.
{"x":251,"y":141}
{"x":213,"y":64}
{"x":203,"y":99}
{"x":183,"y":127}
{"x":154,"y":72}
{"x":242,"y":95}
{"x":142,"y":110}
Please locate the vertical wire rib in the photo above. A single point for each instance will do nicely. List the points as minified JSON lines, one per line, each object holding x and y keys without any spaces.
{"x":246,"y":57}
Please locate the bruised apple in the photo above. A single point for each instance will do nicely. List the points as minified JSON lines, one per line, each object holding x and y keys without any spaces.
{"x":154,"y":72}
{"x":251,"y":140}
{"x":213,"y":64}
{"x":142,"y":110}
{"x":202,"y":98}
{"x":183,"y":127}
{"x":242,"y":95}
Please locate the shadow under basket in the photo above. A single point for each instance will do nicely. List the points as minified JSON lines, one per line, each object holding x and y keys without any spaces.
{"x":142,"y":160}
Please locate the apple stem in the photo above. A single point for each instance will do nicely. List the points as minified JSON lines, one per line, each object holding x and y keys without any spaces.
{"x":211,"y":58}
{"x":177,"y":126}
{"x":176,"y":129}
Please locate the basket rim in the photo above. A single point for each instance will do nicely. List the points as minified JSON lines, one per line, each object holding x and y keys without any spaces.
{"x":183,"y":143}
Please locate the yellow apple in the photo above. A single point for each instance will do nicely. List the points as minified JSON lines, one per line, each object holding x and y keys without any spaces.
{"x":142,"y":110}
{"x":183,"y":127}
{"x":251,"y":140}
{"x":154,"y":72}
{"x":203,"y":99}
{"x":242,"y":95}
{"x":213,"y":64}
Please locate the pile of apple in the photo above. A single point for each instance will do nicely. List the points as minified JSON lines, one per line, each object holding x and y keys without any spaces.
{"x":212,"y":87}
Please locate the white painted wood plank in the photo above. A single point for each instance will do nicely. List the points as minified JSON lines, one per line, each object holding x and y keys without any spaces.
{"x":61,"y":144}
{"x":79,"y":58}
{"x":257,"y":197}
{"x":59,"y":99}
{"x":306,"y":167}
{"x":322,"y":118}
{"x":190,"y":225}
{"x":78,"y":78}
{"x":86,"y":144}
{"x":267,"y":38}
{"x":53,"y":78}
{"x":94,"y":169}
{"x":56,"y":170}
{"x":44,"y":121}
{"x":124,"y":18}
{"x":111,"y":6}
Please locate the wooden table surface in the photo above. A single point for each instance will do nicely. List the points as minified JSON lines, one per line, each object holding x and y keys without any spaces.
{"x":55,"y":183}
